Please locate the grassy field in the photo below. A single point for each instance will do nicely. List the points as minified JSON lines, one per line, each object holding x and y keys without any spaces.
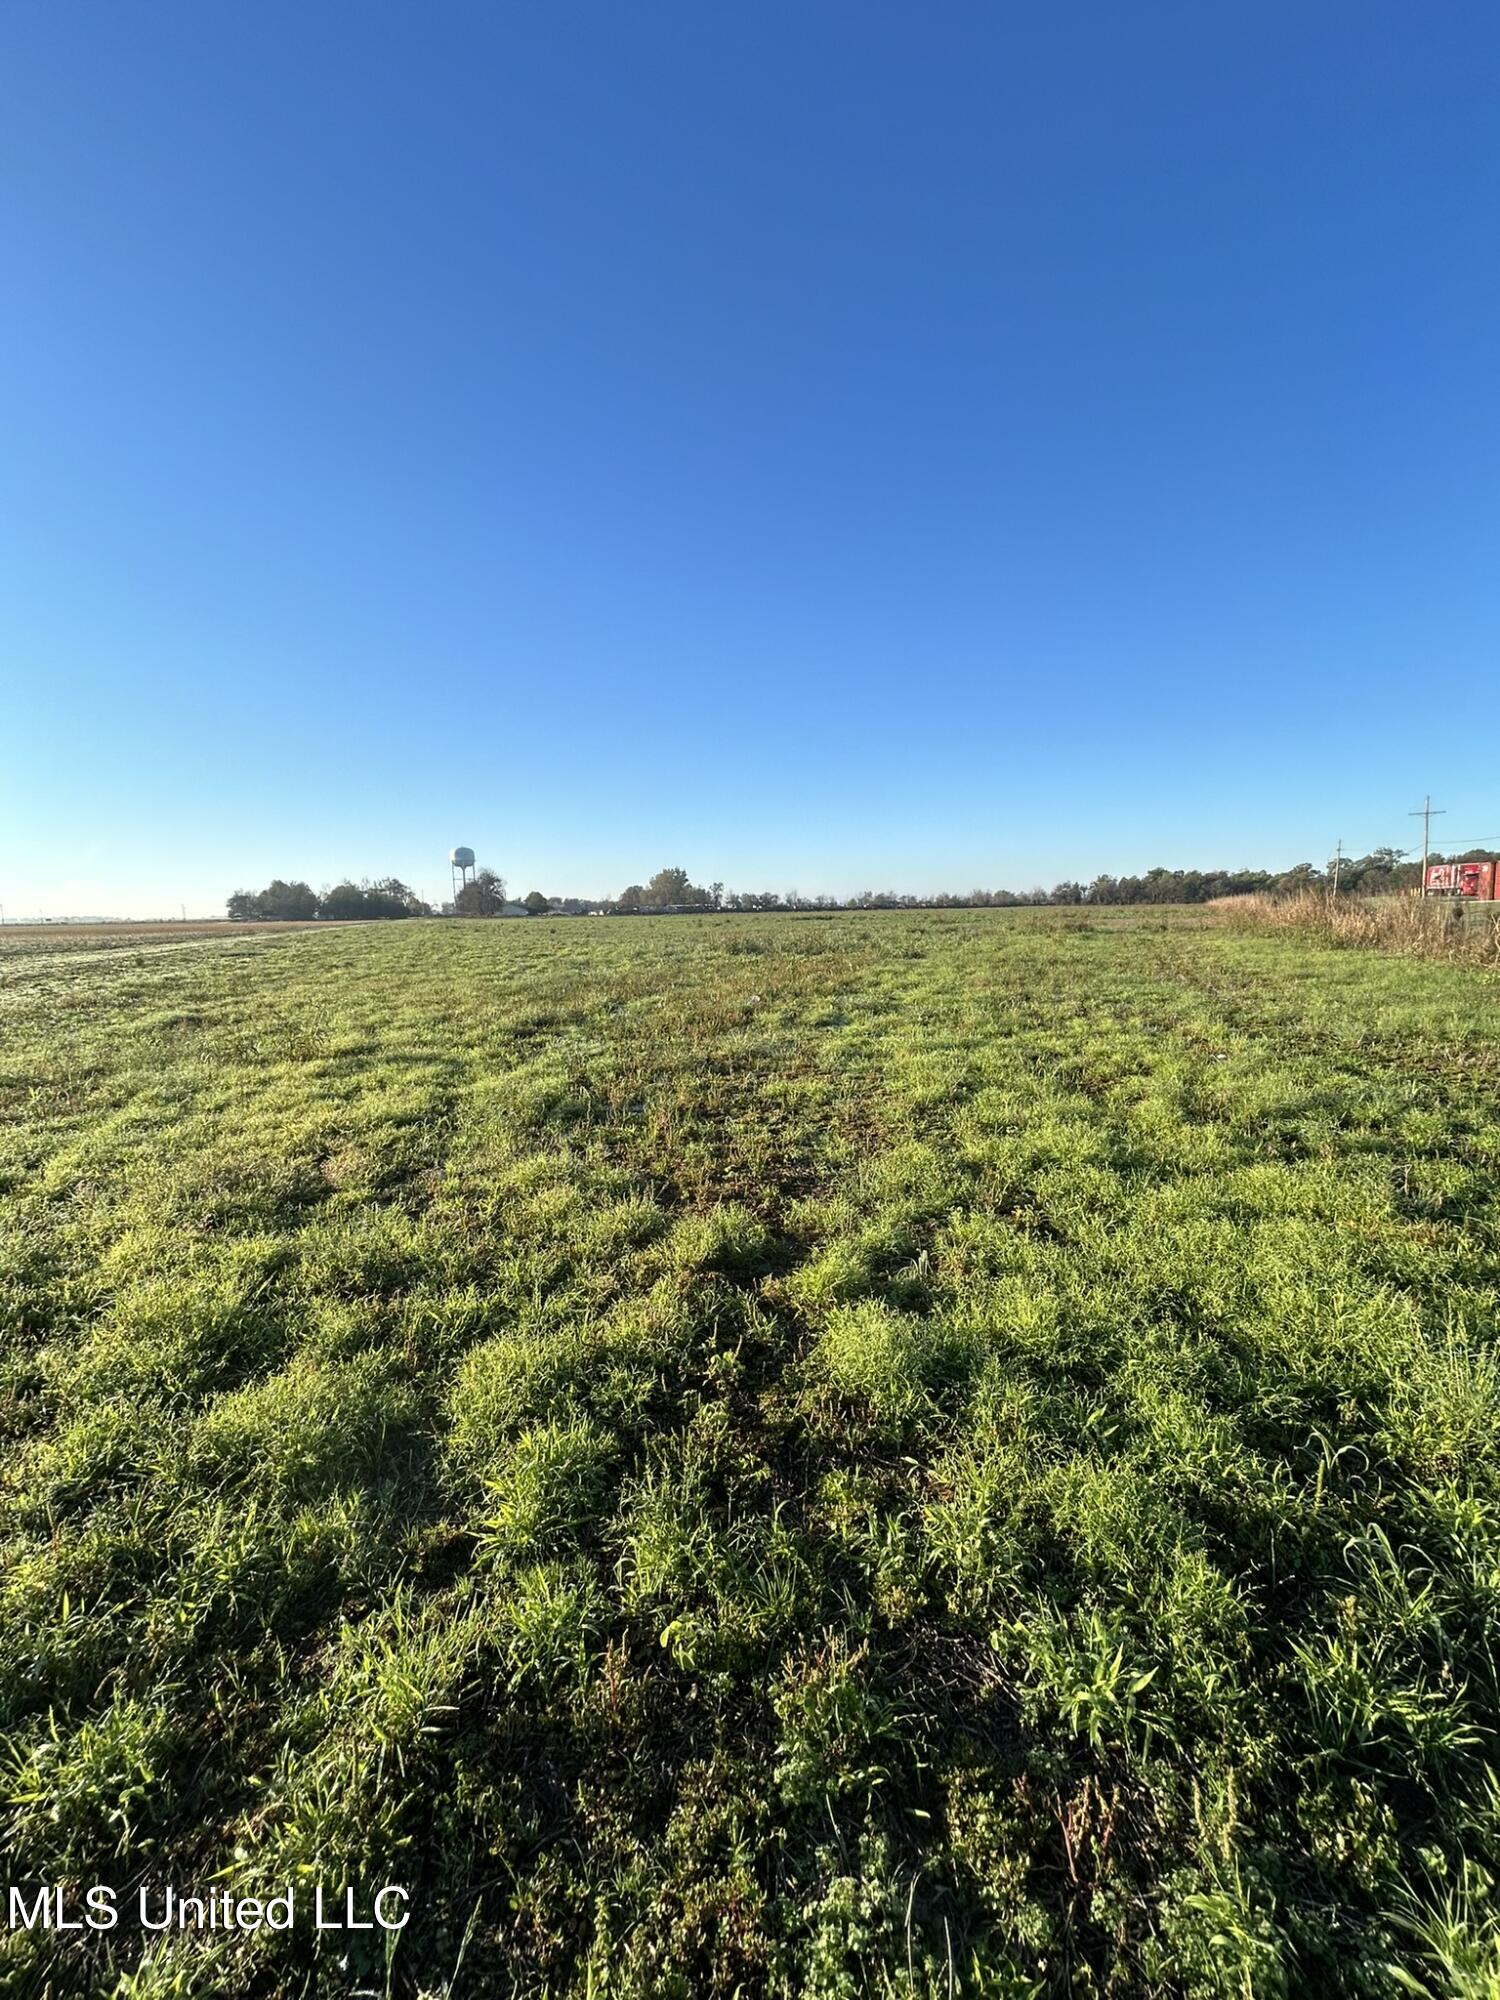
{"x":936,"y":1455}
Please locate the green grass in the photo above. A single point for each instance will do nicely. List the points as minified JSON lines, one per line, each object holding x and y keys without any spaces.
{"x":895,"y":1455}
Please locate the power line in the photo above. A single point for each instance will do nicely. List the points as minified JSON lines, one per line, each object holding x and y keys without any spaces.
{"x":1427,"y":815}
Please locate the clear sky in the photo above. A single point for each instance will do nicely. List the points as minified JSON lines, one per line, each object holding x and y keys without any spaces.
{"x":825,"y":446}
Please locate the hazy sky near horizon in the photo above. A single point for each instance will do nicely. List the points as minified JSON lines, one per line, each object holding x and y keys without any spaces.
{"x":826,"y":447}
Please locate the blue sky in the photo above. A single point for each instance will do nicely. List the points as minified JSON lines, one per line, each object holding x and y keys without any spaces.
{"x":825,"y":446}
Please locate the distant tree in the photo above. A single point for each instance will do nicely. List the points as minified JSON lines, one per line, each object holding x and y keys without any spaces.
{"x":667,"y":889}
{"x":632,"y":899}
{"x":1303,"y":876}
{"x":536,"y":902}
{"x":282,"y":902}
{"x":392,"y":898}
{"x":346,"y":902}
{"x":291,"y":902}
{"x":483,"y":896}
{"x":1385,"y":872}
{"x":371,"y":902}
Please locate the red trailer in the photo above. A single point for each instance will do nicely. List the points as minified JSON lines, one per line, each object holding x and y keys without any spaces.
{"x":1473,"y":879}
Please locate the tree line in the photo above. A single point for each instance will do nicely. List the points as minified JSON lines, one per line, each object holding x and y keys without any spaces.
{"x":295,"y":902}
{"x":1385,"y":871}
{"x":1382,"y":872}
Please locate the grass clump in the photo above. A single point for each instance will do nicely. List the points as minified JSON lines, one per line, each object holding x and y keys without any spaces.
{"x":550,"y":1489}
{"x":894,"y":1364}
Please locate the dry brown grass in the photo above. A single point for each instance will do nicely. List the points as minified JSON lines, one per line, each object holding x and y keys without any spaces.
{"x":1440,"y":927}
{"x":152,"y":927}
{"x":35,"y":941}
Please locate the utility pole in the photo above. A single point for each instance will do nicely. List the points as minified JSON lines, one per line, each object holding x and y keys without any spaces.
{"x":1426,"y":814}
{"x":1338,"y":860}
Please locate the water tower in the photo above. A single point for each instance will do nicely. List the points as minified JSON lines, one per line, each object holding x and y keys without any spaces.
{"x":460,"y":868}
